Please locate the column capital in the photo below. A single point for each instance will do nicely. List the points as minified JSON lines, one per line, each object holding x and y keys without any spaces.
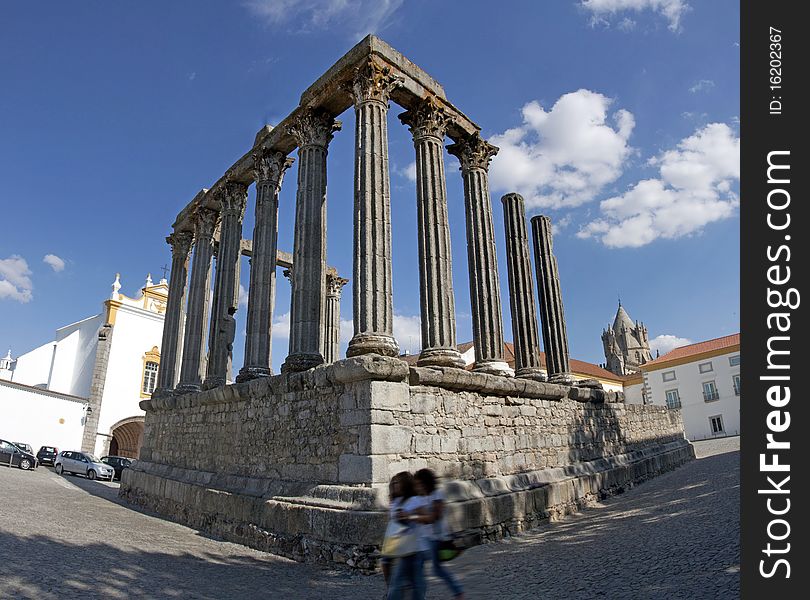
{"x":205,"y":221}
{"x":334,"y":284}
{"x":473,"y":152}
{"x":233,"y":198}
{"x":180,"y":241}
{"x":426,"y":120}
{"x":374,"y":82}
{"x":269,"y":166}
{"x":314,"y":128}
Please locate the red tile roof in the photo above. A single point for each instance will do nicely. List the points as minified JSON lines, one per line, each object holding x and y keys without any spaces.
{"x":720,"y":343}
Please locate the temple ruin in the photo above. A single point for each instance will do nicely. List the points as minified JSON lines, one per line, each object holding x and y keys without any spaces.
{"x":298,"y":463}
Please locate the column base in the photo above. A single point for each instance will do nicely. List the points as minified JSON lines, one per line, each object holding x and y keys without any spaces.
{"x":372,"y":343}
{"x":532,"y":373}
{"x":561,"y":378}
{"x":248,"y":373}
{"x":213,"y":382}
{"x":440,"y":357}
{"x":592,"y":383}
{"x":296,"y":363}
{"x":187,"y":388}
{"x":163,"y":393}
{"x":494,"y":367}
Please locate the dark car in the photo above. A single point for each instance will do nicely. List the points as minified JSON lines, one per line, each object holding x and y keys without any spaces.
{"x":13,"y":456}
{"x":47,"y":454}
{"x":118,"y":463}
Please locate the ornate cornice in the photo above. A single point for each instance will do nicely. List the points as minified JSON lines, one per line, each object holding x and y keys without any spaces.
{"x":180,"y":241}
{"x":205,"y":220}
{"x":314,"y":129}
{"x":374,"y":82}
{"x":473,"y":152}
{"x":426,"y":120}
{"x":269,"y":167}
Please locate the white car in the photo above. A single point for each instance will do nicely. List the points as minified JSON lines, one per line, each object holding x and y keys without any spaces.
{"x":82,"y":463}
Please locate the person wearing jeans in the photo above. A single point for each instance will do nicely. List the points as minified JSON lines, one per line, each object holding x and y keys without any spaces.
{"x":435,"y":529}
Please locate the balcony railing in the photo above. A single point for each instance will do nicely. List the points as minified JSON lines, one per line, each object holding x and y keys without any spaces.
{"x":711,"y":396}
{"x":676,"y":404}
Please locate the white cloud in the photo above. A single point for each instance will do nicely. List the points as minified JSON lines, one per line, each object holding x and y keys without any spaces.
{"x":665,"y":343}
{"x":408,"y":332}
{"x":693,"y":190}
{"x":362,"y":16}
{"x":281,"y":327}
{"x":56,"y":263}
{"x":563,"y":157}
{"x":243,"y":297}
{"x":346,"y":330}
{"x":703,"y":85}
{"x":409,"y":172}
{"x":602,"y":10}
{"x":15,"y":280}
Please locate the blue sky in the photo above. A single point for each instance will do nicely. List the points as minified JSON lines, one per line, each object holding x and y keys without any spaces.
{"x":618,"y":118}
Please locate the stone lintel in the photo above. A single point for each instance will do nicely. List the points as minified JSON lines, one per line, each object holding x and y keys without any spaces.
{"x":462,"y":380}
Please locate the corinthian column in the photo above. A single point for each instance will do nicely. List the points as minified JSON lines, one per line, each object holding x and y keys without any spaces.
{"x":197,"y":310}
{"x":521,"y":292}
{"x":552,"y":316}
{"x":312,"y":131}
{"x":233,"y":199}
{"x":269,"y":169}
{"x":373,"y":299}
{"x":428,"y":124}
{"x":331,"y":342}
{"x":180,"y":241}
{"x":485,"y":295}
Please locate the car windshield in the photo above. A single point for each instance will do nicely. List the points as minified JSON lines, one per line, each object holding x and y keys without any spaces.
{"x":22,"y":447}
{"x":92,"y":458}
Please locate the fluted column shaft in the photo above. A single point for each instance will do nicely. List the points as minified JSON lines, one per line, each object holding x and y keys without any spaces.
{"x":555,"y":338}
{"x":226,"y":283}
{"x":198,"y":295}
{"x":372,"y":289}
{"x":331,"y":342}
{"x":485,"y":295}
{"x":521,"y":289}
{"x":180,"y":241}
{"x":313,"y":132}
{"x":269,"y":168}
{"x":437,"y":303}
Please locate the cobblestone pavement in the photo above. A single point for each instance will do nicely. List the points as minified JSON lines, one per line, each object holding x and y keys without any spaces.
{"x":676,"y":536}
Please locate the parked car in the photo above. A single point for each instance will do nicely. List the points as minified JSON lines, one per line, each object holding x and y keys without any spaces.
{"x":82,"y":463}
{"x":13,"y":456}
{"x":24,"y":447}
{"x":118,"y":463}
{"x":47,"y":454}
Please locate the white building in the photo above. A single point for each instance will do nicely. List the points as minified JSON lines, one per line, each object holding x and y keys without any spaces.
{"x":702,"y":379}
{"x":106,"y":364}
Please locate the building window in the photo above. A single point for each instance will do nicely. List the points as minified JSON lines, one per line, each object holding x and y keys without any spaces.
{"x":149,"y":377}
{"x":668,"y":376}
{"x":736,"y":380}
{"x":151,"y":364}
{"x":734,"y":361}
{"x":716,"y":423}
{"x":705,"y":367}
{"x":673,"y":399}
{"x":710,"y":391}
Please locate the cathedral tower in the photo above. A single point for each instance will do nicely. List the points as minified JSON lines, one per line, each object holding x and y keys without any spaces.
{"x":627,"y":346}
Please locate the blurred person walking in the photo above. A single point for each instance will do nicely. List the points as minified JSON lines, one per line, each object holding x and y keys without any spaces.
{"x":404,"y":542}
{"x":433,"y":529}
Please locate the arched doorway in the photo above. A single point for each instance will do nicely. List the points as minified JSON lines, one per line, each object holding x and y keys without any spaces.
{"x":127,"y":437}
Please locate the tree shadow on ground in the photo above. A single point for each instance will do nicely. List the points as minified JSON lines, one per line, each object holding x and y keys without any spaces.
{"x":46,"y":568}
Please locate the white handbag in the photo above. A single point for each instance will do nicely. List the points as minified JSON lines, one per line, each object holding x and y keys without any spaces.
{"x":400,"y":540}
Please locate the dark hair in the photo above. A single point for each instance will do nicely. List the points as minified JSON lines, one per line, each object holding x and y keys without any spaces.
{"x":427,"y":478}
{"x":406,"y":485}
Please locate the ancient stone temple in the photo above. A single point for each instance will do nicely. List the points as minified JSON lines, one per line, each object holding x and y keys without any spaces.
{"x":298,"y":463}
{"x":626,"y":343}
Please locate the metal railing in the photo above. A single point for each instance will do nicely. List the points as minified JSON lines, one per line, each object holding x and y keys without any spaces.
{"x":711,"y":396}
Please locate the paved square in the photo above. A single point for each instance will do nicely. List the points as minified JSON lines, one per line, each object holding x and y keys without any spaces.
{"x":676,"y":536}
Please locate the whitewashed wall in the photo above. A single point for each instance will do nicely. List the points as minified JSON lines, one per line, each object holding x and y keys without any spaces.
{"x":39,"y":417}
